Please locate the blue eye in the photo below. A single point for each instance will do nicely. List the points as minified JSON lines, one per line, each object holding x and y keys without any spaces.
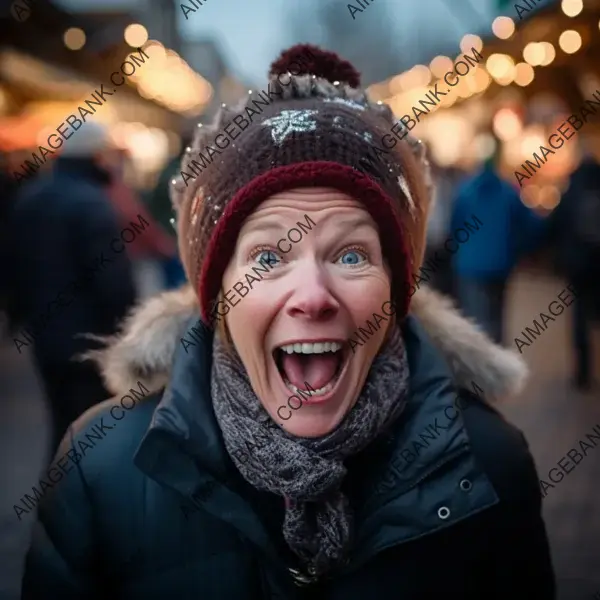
{"x":267,"y":257}
{"x":352,"y":258}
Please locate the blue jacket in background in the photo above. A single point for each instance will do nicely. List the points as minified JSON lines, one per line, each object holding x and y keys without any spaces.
{"x":509,"y":230}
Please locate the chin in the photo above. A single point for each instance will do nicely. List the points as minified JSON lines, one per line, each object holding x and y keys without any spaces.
{"x":314,"y":384}
{"x":313,"y":426}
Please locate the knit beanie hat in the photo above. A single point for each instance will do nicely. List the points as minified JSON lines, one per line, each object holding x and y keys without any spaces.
{"x":312,"y":126}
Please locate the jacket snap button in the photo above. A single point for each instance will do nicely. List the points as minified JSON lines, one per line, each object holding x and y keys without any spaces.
{"x":465,"y":485}
{"x":443,"y":512}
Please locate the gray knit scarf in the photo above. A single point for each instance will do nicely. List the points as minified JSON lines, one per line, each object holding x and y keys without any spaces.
{"x":307,"y":472}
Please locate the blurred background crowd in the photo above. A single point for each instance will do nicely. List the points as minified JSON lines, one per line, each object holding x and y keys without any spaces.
{"x":540,"y":65}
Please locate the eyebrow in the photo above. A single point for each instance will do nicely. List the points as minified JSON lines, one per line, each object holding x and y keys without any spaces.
{"x":351,"y":222}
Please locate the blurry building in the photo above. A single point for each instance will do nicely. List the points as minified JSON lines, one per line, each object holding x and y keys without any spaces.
{"x":160,"y":19}
{"x":53,"y":61}
{"x":206,"y":57}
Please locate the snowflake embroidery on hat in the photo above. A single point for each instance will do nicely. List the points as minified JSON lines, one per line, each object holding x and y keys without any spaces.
{"x":346,"y":102}
{"x":339,"y":123}
{"x":404,"y":187}
{"x":289,"y":121}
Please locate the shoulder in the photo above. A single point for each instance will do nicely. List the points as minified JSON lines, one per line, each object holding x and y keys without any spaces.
{"x":33,"y":193}
{"x":105,"y":438}
{"x":503,"y":452}
{"x":95,"y":196}
{"x":79,"y":195}
{"x":95,"y":460}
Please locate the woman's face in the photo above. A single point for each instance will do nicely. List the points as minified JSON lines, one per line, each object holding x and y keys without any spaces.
{"x":319,"y":284}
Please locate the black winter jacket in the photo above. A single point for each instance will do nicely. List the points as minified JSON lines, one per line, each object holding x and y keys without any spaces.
{"x":446,"y":506}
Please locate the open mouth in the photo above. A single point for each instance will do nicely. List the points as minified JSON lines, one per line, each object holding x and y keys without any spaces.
{"x":315,"y":364}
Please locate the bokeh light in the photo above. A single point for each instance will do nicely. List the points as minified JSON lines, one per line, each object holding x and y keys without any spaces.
{"x":136,"y":35}
{"x":503,"y":27}
{"x":549,"y":53}
{"x":74,"y":38}
{"x":524,"y":74}
{"x":441,"y":65}
{"x":534,"y":53}
{"x":572,"y":8}
{"x":506,"y":124}
{"x":569,"y":41}
{"x":470,"y":41}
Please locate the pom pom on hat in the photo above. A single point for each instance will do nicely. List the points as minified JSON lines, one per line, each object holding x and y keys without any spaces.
{"x":305,"y":59}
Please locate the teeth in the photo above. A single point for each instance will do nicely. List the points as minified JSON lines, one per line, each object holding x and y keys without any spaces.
{"x":320,"y":392}
{"x":309,"y":348}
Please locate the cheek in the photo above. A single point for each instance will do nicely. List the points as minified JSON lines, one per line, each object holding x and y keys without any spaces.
{"x":249,"y":321}
{"x":366,"y":296}
{"x":249,"y":314}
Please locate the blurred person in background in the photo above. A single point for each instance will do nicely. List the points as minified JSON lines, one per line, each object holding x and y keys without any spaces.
{"x":147,"y":252}
{"x":8,"y":186}
{"x":445,"y":182}
{"x":25,"y":437}
{"x":25,"y":422}
{"x":574,"y":234}
{"x":159,"y":205}
{"x":263,"y":452}
{"x":485,"y":262}
{"x":68,"y":282}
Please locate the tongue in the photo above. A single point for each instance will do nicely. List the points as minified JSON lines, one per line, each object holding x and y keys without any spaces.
{"x":315,"y":369}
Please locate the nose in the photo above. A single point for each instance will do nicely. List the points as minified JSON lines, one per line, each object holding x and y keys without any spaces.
{"x":312,"y":298}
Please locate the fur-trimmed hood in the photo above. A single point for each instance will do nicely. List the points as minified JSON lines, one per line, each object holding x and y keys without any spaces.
{"x":143,"y":351}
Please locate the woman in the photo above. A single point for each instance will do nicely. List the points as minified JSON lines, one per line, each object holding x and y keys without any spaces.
{"x":313,"y":446}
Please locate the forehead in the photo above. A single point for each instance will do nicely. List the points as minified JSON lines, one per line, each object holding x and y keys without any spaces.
{"x":310,"y":194}
{"x":323,"y":205}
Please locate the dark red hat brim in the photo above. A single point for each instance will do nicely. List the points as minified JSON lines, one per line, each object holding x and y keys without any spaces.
{"x":306,"y":174}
